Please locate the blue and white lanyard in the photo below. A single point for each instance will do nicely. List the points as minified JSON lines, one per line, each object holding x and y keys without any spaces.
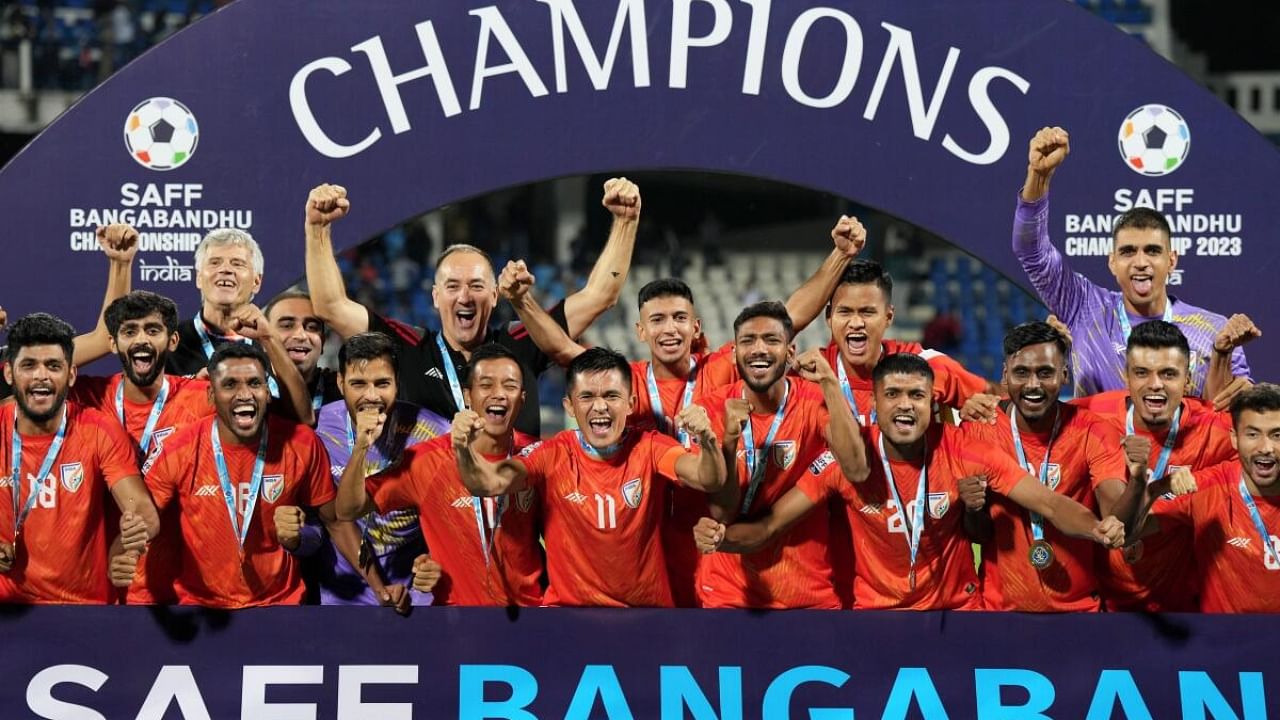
{"x":847,"y":389}
{"x":157,"y":408}
{"x":1037,"y":522}
{"x":1122,"y":315}
{"x":239,"y":523}
{"x":655,"y":401}
{"x":602,"y":453}
{"x":916,"y":526}
{"x":1267,"y":548}
{"x":50,"y":456}
{"x":757,"y":457}
{"x":1170,"y":440}
{"x":450,"y":372}
{"x":207,"y":344}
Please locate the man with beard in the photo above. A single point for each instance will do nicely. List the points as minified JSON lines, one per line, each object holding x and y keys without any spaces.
{"x":1184,"y":435}
{"x":1100,"y":320}
{"x":781,"y":422}
{"x":903,"y":502}
{"x":464,"y":294}
{"x":228,"y":474}
{"x":1233,"y":512}
{"x":487,"y":547}
{"x":1027,"y":565}
{"x":58,"y":457}
{"x":150,"y":406}
{"x":599,"y":486}
{"x":303,"y":335}
{"x":391,"y":542}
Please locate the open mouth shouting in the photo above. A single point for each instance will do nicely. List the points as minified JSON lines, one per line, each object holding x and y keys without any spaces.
{"x":759,"y":368}
{"x":599,"y":428}
{"x":1264,"y":467}
{"x":465,"y":318}
{"x":244,"y":415}
{"x":855,"y":343}
{"x":495,"y":413}
{"x":1155,"y":404}
{"x":904,"y":423}
{"x":40,"y":395}
{"x":142,"y":361}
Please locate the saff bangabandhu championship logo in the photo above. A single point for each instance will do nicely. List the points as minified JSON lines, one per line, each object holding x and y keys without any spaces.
{"x":161,"y":133}
{"x":1154,"y":140}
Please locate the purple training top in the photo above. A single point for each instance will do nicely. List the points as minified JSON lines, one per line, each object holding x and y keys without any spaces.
{"x":1090,"y":312}
{"x":395,"y":538}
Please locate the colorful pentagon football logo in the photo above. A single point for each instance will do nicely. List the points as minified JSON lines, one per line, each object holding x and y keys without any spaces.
{"x":1154,"y":140}
{"x":161,"y":133}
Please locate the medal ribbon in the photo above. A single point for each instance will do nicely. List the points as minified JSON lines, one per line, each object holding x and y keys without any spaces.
{"x":451,"y":373}
{"x":1268,"y":549}
{"x":207,"y":344}
{"x":915,"y":527}
{"x":1122,"y":315}
{"x":655,"y":401}
{"x":757,"y":458}
{"x":50,"y":456}
{"x":157,"y":408}
{"x":1037,"y":521}
{"x":1162,"y":463}
{"x":239,"y":523}
{"x":847,"y":389}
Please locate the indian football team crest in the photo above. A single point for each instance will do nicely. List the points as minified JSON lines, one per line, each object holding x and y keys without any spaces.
{"x":1054,"y":476}
{"x":939,"y":504}
{"x":783,"y":453}
{"x":524,"y":500}
{"x":272,"y":487}
{"x":72,"y":475}
{"x":632,"y":491}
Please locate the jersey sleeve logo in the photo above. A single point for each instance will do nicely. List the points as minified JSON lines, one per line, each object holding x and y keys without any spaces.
{"x":632,"y":492}
{"x":72,"y":475}
{"x":272,"y":487}
{"x":939,"y":504}
{"x":528,"y":450}
{"x":784,"y":453}
{"x":817,"y":466}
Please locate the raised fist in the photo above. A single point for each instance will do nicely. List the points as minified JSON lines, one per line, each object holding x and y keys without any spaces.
{"x":327,"y":203}
{"x":289,"y":521}
{"x":119,"y":242}
{"x":737,"y":413}
{"x":1137,"y":452}
{"x":369,"y":424}
{"x":694,"y":420}
{"x":123,"y":568}
{"x":849,"y":235}
{"x":1181,"y":481}
{"x":980,"y":408}
{"x":973,"y":492}
{"x":1048,"y":149}
{"x":248,"y":320}
{"x":708,"y":534}
{"x":466,"y":425}
{"x":1238,"y":331}
{"x":1060,"y":326}
{"x":515,"y":281}
{"x":426,"y":573}
{"x":813,"y":366}
{"x":622,"y":198}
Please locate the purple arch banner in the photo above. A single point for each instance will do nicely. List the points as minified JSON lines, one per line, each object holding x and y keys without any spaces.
{"x":922,"y":109}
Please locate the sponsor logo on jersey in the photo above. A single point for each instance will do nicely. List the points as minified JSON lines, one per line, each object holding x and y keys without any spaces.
{"x":72,"y":475}
{"x":337,"y":470}
{"x":871,"y":509}
{"x":576,"y":497}
{"x":939,"y":504}
{"x":208,"y":491}
{"x":632,"y":490}
{"x":434,"y":373}
{"x":272,"y":487}
{"x":528,"y":449}
{"x":1240,"y":542}
{"x":462,"y":502}
{"x":817,"y":466}
{"x":783,"y":453}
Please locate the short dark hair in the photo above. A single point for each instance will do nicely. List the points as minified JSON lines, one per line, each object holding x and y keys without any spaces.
{"x":1035,"y":332}
{"x":490,"y":351}
{"x":41,"y":329}
{"x":597,"y":360}
{"x":238,"y":351}
{"x":901,"y":364}
{"x":1157,"y":335}
{"x":1142,"y":218}
{"x":867,"y":272}
{"x":664,"y":287}
{"x":1263,"y":397}
{"x":286,"y":295}
{"x":769,"y":309}
{"x":368,"y":346}
{"x":137,"y":305}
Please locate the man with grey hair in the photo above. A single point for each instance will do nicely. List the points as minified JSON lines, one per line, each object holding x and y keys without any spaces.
{"x":228,"y":274}
{"x":464,"y":294}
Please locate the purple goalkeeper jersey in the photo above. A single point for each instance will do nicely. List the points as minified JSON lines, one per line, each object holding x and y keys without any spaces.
{"x":394,"y":538}
{"x":1092,"y":312}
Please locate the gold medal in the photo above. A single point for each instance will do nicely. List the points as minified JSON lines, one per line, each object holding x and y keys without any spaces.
{"x":1041,"y":554}
{"x":911,"y":579}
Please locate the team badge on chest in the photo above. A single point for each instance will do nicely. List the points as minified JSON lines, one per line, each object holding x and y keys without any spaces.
{"x":272,"y":487}
{"x":1054,"y":476}
{"x":939,"y":504}
{"x":632,"y":491}
{"x":524,"y":500}
{"x":72,"y":475}
{"x":784,"y":453}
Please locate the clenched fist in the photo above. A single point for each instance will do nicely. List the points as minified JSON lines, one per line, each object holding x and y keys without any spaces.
{"x":813,"y":366}
{"x":737,"y":413}
{"x":1137,"y":453}
{"x":397,"y":596}
{"x":118,"y":241}
{"x":515,"y":281}
{"x":369,"y":424}
{"x":849,"y":235}
{"x":466,"y":425}
{"x":622,"y":198}
{"x":708,"y":534}
{"x":1054,"y":322}
{"x":1236,"y":332}
{"x":289,"y":520}
{"x":1182,"y":481}
{"x":327,"y":203}
{"x":6,"y":556}
{"x":426,"y":573}
{"x":248,"y":320}
{"x":973,"y":492}
{"x":694,"y":420}
{"x":1048,"y":149}
{"x":123,"y":568}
